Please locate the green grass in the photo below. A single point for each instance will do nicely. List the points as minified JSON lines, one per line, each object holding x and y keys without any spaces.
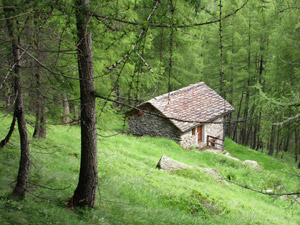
{"x":132,"y":191}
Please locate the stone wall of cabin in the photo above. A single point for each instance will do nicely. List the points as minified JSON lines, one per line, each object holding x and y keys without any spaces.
{"x":151,"y":125}
{"x":146,"y":124}
{"x":187,"y":139}
{"x":215,"y":130}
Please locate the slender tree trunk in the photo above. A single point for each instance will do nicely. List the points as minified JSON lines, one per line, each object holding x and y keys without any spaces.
{"x":36,"y":132}
{"x":296,"y":144}
{"x":286,"y":143}
{"x":43,"y":120}
{"x":66,"y":109}
{"x":23,"y":174}
{"x":222,"y":88}
{"x":229,"y":127}
{"x":272,"y":139}
{"x":85,"y":192}
{"x":278,"y":143}
{"x":234,"y":137}
{"x":76,"y":112}
{"x":249,"y":131}
{"x":8,"y":97}
{"x":10,"y":132}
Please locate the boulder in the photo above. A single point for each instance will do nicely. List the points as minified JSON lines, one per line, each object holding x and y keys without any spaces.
{"x":253,"y":164}
{"x":168,"y":164}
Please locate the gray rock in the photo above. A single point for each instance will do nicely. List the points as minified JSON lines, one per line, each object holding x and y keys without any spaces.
{"x":168,"y":164}
{"x":253,"y":164}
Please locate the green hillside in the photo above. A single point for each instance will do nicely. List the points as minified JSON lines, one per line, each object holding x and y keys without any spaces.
{"x":131,"y":189}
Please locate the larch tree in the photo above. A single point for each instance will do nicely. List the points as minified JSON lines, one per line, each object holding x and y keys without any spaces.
{"x":24,"y":166}
{"x":85,"y":192}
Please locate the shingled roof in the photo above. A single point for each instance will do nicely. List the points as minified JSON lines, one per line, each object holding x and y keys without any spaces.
{"x":197,"y":102}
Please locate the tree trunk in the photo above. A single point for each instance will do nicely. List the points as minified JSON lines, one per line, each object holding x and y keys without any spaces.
{"x":234,"y":137}
{"x":85,"y":192}
{"x":278,"y":143}
{"x":222,"y":88}
{"x":43,"y":120}
{"x":272,"y":139}
{"x":23,"y":173}
{"x":296,"y":144}
{"x":66,"y":109}
{"x":36,"y":132}
{"x":10,"y":132}
{"x":76,"y":113}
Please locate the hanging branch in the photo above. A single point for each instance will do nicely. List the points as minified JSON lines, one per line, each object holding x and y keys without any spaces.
{"x":144,"y":61}
{"x":287,"y":120}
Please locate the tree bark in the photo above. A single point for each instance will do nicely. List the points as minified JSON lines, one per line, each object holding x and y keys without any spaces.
{"x":85,"y":192}
{"x":23,"y":173}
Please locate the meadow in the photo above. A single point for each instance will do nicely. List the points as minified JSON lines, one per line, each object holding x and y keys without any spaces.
{"x":133,"y":191}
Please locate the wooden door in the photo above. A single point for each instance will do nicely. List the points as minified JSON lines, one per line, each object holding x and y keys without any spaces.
{"x":199,"y":131}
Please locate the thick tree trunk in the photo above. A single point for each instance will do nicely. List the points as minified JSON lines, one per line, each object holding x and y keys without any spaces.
{"x":85,"y":192}
{"x":10,"y":132}
{"x":20,"y":188}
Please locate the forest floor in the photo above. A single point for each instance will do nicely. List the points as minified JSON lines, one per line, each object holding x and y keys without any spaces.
{"x":132,"y":191}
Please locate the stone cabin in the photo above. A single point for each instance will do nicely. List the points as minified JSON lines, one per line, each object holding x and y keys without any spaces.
{"x":187,"y":116}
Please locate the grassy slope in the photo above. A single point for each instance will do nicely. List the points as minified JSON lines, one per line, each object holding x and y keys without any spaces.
{"x":132,"y":191}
